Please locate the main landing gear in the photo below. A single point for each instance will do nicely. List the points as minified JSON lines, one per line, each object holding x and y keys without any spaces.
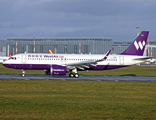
{"x":74,"y":73}
{"x":23,"y":73}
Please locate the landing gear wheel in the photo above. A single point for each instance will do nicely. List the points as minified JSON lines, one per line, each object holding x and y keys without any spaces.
{"x":23,"y":75}
{"x":71,"y":75}
{"x":76,"y":75}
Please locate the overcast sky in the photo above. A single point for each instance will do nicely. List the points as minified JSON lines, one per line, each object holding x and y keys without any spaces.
{"x":116,"y":19}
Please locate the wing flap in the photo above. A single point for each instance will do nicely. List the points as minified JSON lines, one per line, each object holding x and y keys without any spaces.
{"x":81,"y":63}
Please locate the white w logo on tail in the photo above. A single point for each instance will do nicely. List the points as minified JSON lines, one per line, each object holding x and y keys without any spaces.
{"x":139,"y":44}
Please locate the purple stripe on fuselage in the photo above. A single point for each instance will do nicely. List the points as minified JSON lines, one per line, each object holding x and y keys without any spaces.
{"x":28,"y":66}
{"x":43,"y":66}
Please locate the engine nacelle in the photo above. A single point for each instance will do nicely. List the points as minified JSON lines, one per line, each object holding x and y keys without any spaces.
{"x":56,"y":70}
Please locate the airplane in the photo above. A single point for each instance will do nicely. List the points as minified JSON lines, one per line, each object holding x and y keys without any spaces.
{"x":60,"y":64}
{"x":3,"y":58}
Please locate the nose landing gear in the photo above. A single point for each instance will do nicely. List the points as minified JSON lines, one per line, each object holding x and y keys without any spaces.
{"x":23,"y":73}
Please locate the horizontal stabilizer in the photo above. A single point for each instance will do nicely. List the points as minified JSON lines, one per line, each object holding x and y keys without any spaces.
{"x":143,"y":59}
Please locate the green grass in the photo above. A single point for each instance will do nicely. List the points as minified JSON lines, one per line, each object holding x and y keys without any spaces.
{"x":22,"y":99}
{"x":130,"y":71}
{"x":79,"y":100}
{"x":126,"y":71}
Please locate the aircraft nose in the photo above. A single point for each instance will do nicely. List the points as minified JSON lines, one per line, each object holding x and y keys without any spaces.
{"x":6,"y":64}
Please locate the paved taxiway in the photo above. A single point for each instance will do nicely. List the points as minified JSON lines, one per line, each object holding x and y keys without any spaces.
{"x":81,"y":77}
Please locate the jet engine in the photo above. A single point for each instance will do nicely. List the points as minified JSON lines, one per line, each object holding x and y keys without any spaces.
{"x":56,"y":70}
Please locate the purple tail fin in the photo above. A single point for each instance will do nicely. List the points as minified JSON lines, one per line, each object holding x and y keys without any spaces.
{"x":138,"y":45}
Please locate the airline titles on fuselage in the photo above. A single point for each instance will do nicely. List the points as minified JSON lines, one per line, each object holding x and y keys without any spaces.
{"x":46,"y":56}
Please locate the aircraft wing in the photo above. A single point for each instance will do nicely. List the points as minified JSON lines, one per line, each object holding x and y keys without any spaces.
{"x":85,"y":64}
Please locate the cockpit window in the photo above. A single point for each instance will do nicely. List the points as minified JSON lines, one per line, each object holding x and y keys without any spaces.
{"x":13,"y":58}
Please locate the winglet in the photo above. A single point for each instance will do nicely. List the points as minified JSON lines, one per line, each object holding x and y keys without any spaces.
{"x":10,"y":55}
{"x":50,"y":51}
{"x":107,"y":55}
{"x":104,"y":57}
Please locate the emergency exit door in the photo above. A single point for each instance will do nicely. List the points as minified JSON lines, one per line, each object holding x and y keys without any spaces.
{"x":23,"y":59}
{"x":121,"y":60}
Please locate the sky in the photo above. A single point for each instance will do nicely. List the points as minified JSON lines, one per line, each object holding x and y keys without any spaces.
{"x":116,"y":19}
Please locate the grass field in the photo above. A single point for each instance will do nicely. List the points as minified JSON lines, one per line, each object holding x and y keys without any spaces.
{"x":79,"y":100}
{"x":22,"y":99}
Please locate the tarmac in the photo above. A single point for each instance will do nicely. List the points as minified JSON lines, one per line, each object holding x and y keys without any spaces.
{"x":81,"y":77}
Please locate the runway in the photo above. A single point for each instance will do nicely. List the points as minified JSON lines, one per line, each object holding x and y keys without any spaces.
{"x":81,"y":77}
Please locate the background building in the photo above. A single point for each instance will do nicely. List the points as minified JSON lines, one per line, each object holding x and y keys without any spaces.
{"x":68,"y":45}
{"x":2,"y":47}
{"x":119,"y":47}
{"x":151,"y":49}
{"x":58,"y":45}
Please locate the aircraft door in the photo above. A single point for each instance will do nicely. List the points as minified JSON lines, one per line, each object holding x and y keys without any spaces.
{"x":121,"y":60}
{"x":23,"y":58}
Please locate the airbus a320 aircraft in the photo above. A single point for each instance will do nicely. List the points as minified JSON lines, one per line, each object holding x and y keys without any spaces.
{"x":60,"y":64}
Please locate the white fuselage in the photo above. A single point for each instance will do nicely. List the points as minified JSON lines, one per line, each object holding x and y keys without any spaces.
{"x":65,"y":59}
